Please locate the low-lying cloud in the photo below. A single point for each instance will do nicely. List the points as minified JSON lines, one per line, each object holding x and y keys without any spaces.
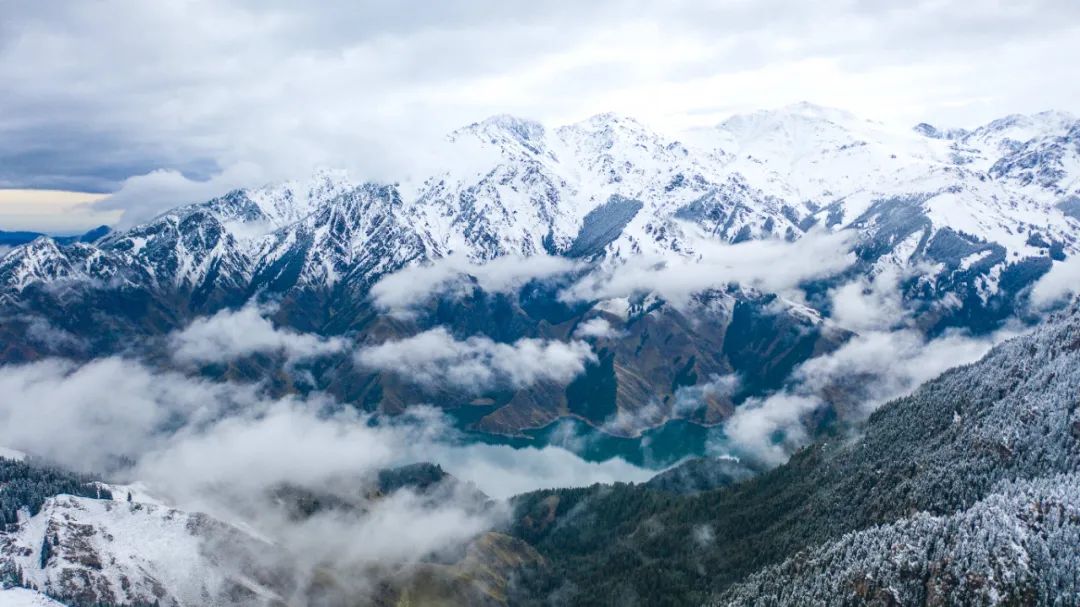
{"x":689,"y":399}
{"x":143,"y":197}
{"x":223,"y":448}
{"x":597,"y":328}
{"x":455,"y":275}
{"x":868,"y":371}
{"x":92,"y":416}
{"x":435,"y":358}
{"x":232,"y":334}
{"x":118,"y":416}
{"x":773,"y":266}
{"x":870,"y":302}
{"x":767,"y":430}
{"x":1061,"y":282}
{"x":887,"y":358}
{"x":40,"y":331}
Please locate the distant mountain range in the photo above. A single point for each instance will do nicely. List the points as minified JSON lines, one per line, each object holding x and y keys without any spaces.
{"x":14,"y":239}
{"x":967,"y":220}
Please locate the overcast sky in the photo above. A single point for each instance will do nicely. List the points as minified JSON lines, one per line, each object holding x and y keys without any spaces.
{"x":245,"y":91}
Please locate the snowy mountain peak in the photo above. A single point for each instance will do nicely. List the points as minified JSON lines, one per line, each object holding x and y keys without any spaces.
{"x":1034,"y":124}
{"x":816,"y":111}
{"x":795,"y":131}
{"x":611,"y":142}
{"x":608,"y":120}
{"x":40,"y":259}
{"x":998,"y":145}
{"x":933,"y":132}
{"x":788,"y":117}
{"x":329,"y":175}
{"x":1007,"y":134}
{"x":291,"y":201}
{"x":503,"y":125}
{"x":610,"y":133}
{"x":43,"y":246}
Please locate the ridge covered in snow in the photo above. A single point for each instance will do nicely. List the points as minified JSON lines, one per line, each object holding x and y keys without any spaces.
{"x":969,"y":219}
{"x":531,"y":190}
{"x":118,"y":552}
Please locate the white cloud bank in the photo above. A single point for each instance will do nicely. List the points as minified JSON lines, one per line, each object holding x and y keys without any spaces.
{"x":224,"y":448}
{"x":456,"y":275}
{"x":1061,"y":282}
{"x":887,"y":359}
{"x":596,"y":328}
{"x":870,"y":303}
{"x":88,"y":417}
{"x":872,"y":368}
{"x":143,"y":197}
{"x":186,"y":435}
{"x":436,"y":358}
{"x":773,"y":266}
{"x":232,"y":334}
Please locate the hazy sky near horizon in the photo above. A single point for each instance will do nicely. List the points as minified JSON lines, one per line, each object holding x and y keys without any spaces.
{"x":240,"y":92}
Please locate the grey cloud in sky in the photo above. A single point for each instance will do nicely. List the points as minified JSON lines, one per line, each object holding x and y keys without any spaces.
{"x":99,"y":92}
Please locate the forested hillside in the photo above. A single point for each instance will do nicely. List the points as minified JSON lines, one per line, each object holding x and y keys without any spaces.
{"x":927,"y":466}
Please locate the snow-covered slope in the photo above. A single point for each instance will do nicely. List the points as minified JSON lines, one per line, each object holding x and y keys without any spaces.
{"x":126,"y":547}
{"x":24,"y":597}
{"x":1014,"y":546}
{"x":983,"y":146}
{"x":842,"y":165}
{"x":362,"y":234}
{"x":805,"y":153}
{"x":89,"y":551}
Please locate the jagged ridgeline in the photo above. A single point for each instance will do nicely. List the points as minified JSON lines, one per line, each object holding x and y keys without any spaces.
{"x":967,"y":492}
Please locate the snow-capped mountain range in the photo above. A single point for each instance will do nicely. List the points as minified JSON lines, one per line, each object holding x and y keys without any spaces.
{"x":969,"y":221}
{"x":531,"y":190}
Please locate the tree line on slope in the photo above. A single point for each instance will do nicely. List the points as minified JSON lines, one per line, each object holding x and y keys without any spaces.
{"x":27,"y":484}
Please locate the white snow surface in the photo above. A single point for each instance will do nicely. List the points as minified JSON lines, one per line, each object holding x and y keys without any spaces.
{"x":123,"y":552}
{"x":23,"y":597}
